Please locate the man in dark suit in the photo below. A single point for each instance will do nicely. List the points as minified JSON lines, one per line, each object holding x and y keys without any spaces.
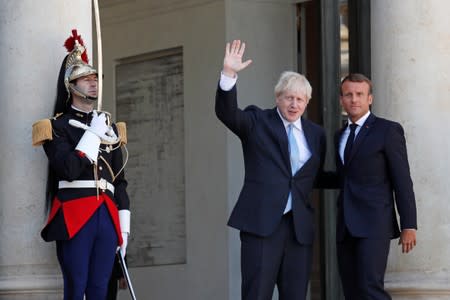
{"x":283,"y":154}
{"x":373,"y":170}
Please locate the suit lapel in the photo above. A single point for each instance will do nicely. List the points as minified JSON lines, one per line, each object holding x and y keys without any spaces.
{"x":281,"y":136}
{"x":362,"y":134}
{"x":280,"y":133}
{"x":309,"y":136}
{"x":337,"y":142}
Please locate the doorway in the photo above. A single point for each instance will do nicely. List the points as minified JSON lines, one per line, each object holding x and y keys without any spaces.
{"x":333,"y":39}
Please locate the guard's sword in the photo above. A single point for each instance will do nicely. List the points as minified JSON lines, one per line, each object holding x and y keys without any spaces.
{"x":99,"y":56}
{"x":126,"y":274}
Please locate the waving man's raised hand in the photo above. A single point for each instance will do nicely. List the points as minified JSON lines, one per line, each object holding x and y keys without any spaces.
{"x":232,"y":62}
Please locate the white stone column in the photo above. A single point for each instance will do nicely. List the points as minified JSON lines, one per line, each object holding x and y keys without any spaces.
{"x":411,"y":72}
{"x":31,"y":51}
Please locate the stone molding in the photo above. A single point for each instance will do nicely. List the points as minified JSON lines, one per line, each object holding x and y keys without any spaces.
{"x":31,"y":284}
{"x":418,"y":285}
{"x":119,"y":11}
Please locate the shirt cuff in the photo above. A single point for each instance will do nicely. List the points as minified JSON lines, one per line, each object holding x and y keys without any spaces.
{"x":226,"y":83}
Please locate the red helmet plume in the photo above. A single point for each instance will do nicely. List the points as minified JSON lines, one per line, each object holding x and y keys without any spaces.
{"x":70,"y":44}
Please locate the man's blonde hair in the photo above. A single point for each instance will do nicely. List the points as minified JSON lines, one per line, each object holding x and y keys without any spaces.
{"x":293,"y":81}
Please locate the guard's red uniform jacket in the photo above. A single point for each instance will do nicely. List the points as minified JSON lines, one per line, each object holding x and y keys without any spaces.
{"x":72,"y":207}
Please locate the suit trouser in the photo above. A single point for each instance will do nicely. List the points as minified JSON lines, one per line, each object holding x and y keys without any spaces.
{"x":275,"y":260}
{"x":87,"y":259}
{"x":362,"y":265}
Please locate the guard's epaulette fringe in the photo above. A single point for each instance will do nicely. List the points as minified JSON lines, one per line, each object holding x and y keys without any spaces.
{"x":122,"y":130}
{"x":42,"y":132}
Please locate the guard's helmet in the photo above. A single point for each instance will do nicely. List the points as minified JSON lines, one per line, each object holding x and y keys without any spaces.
{"x":76,"y":64}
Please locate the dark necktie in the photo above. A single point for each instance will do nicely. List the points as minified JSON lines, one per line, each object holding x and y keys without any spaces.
{"x":349,"y":144}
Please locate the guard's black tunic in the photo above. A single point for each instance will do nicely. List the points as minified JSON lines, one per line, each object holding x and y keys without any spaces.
{"x":72,"y":207}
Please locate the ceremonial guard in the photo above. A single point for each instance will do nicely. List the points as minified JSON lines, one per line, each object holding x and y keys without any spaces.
{"x":89,"y":216}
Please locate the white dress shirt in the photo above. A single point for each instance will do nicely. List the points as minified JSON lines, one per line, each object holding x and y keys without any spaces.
{"x":346,"y":133}
{"x":303,"y":148}
{"x":226,"y":83}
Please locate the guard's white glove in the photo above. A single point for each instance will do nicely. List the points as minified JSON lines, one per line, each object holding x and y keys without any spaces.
{"x":98,"y":125}
{"x":95,"y":133}
{"x":89,"y":145}
{"x":124,"y":218}
{"x":123,"y":247}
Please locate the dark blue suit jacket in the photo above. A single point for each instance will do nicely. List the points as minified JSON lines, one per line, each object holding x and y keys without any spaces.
{"x":268,"y":177}
{"x":376,"y":175}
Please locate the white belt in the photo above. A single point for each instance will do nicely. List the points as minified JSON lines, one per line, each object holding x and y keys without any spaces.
{"x":77,"y":184}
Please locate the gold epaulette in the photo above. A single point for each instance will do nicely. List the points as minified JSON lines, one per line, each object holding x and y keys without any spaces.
{"x":122,"y":130}
{"x":42,"y":131}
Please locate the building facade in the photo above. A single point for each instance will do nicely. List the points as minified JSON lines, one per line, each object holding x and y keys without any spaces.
{"x":161,"y":66}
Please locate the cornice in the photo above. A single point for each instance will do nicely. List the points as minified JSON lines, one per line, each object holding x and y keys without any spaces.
{"x":120,"y":11}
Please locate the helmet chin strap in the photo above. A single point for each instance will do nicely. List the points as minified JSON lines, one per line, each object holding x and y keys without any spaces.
{"x":81,"y":94}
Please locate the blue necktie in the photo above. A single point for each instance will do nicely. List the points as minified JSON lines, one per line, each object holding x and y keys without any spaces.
{"x":294,"y":157}
{"x":293,"y":149}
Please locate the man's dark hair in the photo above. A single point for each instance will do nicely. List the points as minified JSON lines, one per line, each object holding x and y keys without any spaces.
{"x":357,"y":77}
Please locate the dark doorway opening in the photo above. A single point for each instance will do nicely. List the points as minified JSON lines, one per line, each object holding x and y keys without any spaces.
{"x":333,"y":40}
